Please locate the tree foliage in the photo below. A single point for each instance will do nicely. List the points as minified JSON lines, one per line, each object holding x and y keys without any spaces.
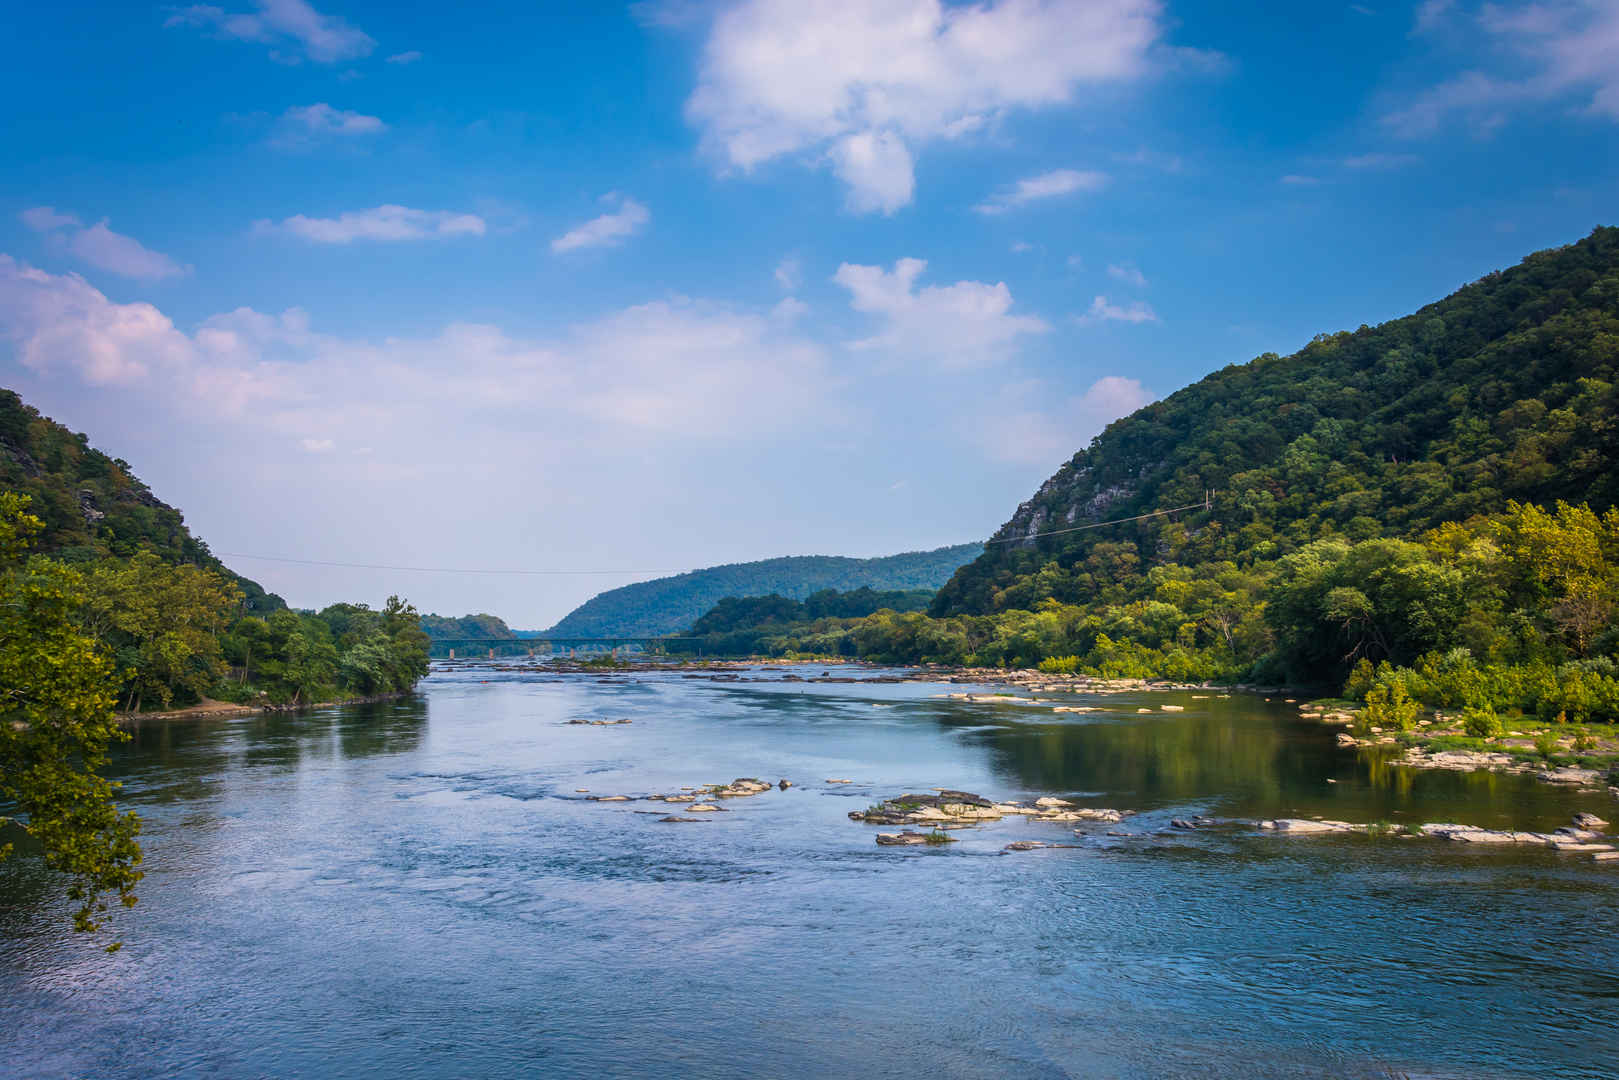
{"x":56,"y":722}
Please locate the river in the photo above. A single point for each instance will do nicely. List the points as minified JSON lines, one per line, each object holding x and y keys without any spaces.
{"x":417,"y":889}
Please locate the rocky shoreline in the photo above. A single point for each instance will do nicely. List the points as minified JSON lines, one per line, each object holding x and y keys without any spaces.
{"x":211,"y":709}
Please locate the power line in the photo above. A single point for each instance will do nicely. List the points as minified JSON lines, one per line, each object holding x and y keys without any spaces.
{"x":1206,"y":504}
{"x":425,"y":569}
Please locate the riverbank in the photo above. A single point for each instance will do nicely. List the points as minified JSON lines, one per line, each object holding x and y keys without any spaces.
{"x":212,"y":709}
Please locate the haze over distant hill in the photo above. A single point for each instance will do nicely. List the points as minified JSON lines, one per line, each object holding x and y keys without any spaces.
{"x":667,"y":605}
{"x":92,"y":504}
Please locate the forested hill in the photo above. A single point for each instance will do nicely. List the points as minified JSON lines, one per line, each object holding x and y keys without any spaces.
{"x":671,"y":604}
{"x":92,"y":504}
{"x":1501,"y":391}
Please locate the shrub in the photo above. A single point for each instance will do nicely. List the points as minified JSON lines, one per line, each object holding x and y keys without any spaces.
{"x":1482,"y":723}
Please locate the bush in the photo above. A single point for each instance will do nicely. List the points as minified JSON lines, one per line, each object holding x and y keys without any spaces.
{"x":1482,"y":723}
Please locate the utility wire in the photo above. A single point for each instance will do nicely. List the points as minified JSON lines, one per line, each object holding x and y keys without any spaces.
{"x":1098,"y":524}
{"x":1206,"y":504}
{"x":425,"y":569}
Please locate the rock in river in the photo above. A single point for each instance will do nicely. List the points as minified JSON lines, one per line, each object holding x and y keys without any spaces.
{"x":908,"y":837}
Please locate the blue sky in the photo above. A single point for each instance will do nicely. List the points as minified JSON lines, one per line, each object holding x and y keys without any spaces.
{"x":683,"y":283}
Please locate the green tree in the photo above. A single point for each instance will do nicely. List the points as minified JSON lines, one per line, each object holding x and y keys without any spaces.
{"x":56,"y":722}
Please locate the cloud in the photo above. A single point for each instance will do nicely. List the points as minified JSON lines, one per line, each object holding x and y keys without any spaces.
{"x":608,"y":229}
{"x":305,"y":123}
{"x":388,"y":222}
{"x":951,"y":326}
{"x":61,"y":322}
{"x":789,"y":273}
{"x":1300,"y":180}
{"x":1021,"y":425}
{"x":789,"y":309}
{"x":1128,"y":274}
{"x":676,"y":366}
{"x":876,"y":167}
{"x":1076,"y":262}
{"x":284,"y":25}
{"x":409,"y":57}
{"x":1380,"y":161}
{"x":1103,"y":310}
{"x":317,"y":446}
{"x":101,"y":247}
{"x":45,"y":218}
{"x":1048,"y":185}
{"x":1563,"y":51}
{"x":106,"y":250}
{"x":1021,"y":247}
{"x":864,"y":86}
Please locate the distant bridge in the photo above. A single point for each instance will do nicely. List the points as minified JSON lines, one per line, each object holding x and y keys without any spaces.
{"x":466,"y":648}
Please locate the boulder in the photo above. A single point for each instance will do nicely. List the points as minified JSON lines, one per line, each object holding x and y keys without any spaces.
{"x":1588,"y":821}
{"x":1305,"y":826}
{"x":701,"y":808}
{"x":1047,"y":802}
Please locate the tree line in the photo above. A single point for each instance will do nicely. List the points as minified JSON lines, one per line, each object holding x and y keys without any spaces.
{"x":1513,"y":611}
{"x":85,"y":638}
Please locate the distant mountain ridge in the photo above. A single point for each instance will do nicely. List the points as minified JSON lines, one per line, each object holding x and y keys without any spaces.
{"x":669,"y":605}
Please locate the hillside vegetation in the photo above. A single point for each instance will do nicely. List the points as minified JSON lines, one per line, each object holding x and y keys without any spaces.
{"x":1425,"y":505}
{"x":671,"y":604}
{"x":92,"y":505}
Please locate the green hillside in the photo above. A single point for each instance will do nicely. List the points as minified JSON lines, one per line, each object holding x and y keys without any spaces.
{"x":92,"y":505}
{"x":671,"y":604}
{"x":1422,"y":511}
{"x":1503,"y":390}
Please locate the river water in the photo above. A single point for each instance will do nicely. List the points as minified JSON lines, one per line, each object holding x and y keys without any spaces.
{"x":416,"y":889}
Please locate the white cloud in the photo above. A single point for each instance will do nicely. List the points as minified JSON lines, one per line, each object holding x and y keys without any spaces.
{"x":409,"y":57}
{"x":45,"y":218}
{"x":317,"y":446}
{"x":1103,"y":310}
{"x":63,"y":322}
{"x":388,"y":222}
{"x":1300,"y":180}
{"x":674,"y":366}
{"x":1048,"y":185}
{"x":865,"y":85}
{"x":789,"y":309}
{"x":611,"y":228}
{"x":876,"y":167}
{"x":304,"y":124}
{"x":1127,"y":274}
{"x":952,"y":326}
{"x":1563,"y":51}
{"x":1076,"y":262}
{"x":789,"y":273}
{"x":284,"y":25}
{"x":1021,"y":247}
{"x":101,"y":247}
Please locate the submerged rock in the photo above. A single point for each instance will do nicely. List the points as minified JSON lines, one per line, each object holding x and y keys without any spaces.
{"x":908,"y":838}
{"x":672,"y":817}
